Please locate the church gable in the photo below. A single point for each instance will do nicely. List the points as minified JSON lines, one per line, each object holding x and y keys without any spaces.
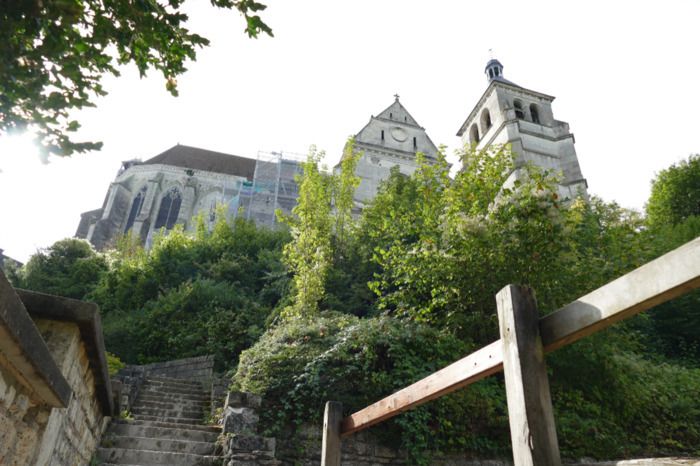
{"x":394,"y":131}
{"x":398,"y":113}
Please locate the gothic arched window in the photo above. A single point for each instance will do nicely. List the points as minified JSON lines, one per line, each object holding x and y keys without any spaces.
{"x":485,"y":121}
{"x":519,"y":114}
{"x":169,"y":209}
{"x":474,"y":134}
{"x":534,"y":113}
{"x":135,"y":209}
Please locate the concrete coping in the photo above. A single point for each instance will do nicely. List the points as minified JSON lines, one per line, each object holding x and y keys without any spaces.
{"x":22,"y":345}
{"x":87,"y":317}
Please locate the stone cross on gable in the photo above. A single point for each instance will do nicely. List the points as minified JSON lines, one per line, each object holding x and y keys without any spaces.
{"x":396,"y":96}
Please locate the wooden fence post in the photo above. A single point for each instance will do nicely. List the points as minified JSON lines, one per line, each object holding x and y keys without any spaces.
{"x":532,"y":429}
{"x":332,"y":417}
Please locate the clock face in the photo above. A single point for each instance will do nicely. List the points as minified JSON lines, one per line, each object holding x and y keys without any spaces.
{"x":399,"y":134}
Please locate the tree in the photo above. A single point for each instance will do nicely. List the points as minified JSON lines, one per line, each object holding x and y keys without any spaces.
{"x":69,"y":267}
{"x":675,"y":193}
{"x":309,"y":254}
{"x":55,"y":53}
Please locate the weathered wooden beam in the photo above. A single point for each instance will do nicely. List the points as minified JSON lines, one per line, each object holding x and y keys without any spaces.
{"x":656,"y":282}
{"x":661,"y":280}
{"x":482,"y":363}
{"x":530,"y":415}
{"x":330,"y":450}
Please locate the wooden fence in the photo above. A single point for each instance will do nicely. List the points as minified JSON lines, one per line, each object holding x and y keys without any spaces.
{"x":519,"y":353}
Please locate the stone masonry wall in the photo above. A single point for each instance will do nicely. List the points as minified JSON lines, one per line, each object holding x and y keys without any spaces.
{"x":304,"y":449}
{"x":197,"y":368}
{"x":22,"y":421}
{"x":34,"y":434}
{"x":73,"y":433}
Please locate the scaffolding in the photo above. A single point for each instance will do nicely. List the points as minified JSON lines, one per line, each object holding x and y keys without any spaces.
{"x":273,"y":187}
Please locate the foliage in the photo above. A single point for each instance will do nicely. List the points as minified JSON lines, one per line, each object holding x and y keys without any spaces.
{"x":608,"y":403}
{"x":435,"y":251}
{"x":675,"y":193}
{"x":445,"y":247}
{"x":308,"y":255}
{"x":55,"y":53}
{"x":344,"y":188}
{"x":196,"y":318}
{"x":301,"y":363}
{"x":613,"y":404}
{"x":192,"y":294}
{"x":671,"y":328}
{"x":70,"y":267}
{"x":320,"y":224}
{"x":114,"y":364}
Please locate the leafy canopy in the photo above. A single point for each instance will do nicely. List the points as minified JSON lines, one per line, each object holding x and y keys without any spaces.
{"x":70,"y":267}
{"x":675,"y":193}
{"x":54,"y":54}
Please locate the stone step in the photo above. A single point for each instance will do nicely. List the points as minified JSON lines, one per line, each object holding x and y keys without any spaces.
{"x":187,"y":395}
{"x":158,"y":397}
{"x":170,"y":380}
{"x":157,"y":444}
{"x":254,"y":460}
{"x":170,"y":404}
{"x":176,"y":412}
{"x":149,"y":457}
{"x":173,"y":390}
{"x":156,"y":430}
{"x":172,"y":420}
{"x":196,"y":426}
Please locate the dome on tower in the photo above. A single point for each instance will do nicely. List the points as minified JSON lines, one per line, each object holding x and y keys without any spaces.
{"x":494,"y":69}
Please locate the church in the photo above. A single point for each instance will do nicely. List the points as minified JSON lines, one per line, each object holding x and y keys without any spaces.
{"x":182,"y":182}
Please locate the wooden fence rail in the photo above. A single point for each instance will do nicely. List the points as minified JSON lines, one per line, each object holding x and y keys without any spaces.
{"x":524,"y":340}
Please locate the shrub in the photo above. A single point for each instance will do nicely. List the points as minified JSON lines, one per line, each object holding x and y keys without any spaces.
{"x":608,"y":402}
{"x":300,"y":364}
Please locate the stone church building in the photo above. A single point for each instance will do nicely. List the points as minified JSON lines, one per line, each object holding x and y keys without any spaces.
{"x":174,"y":186}
{"x":182,"y":182}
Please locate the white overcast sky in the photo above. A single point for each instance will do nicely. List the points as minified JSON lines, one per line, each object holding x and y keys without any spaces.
{"x":625,"y":74}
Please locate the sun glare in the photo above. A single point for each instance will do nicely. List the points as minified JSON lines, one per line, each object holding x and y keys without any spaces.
{"x":18,"y":153}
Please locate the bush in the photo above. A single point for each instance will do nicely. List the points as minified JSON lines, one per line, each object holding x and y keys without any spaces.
{"x":616,"y":404}
{"x":300,"y":364}
{"x":196,"y":318}
{"x":608,"y":402}
{"x":69,"y":267}
{"x":192,"y":293}
{"x":114,"y":364}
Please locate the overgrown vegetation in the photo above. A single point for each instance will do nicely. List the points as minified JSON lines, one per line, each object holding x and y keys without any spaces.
{"x":357,"y":307}
{"x":434,"y":251}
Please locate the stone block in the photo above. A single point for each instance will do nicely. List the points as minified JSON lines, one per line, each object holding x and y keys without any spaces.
{"x":240,"y":421}
{"x":243,"y":400}
{"x":243,"y":442}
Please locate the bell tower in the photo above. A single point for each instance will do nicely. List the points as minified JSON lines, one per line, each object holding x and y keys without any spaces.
{"x":508,"y":113}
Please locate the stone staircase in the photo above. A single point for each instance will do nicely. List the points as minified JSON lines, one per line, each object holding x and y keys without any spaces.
{"x":167,"y":428}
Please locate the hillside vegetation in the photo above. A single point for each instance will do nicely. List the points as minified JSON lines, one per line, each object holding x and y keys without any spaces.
{"x":353,"y":307}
